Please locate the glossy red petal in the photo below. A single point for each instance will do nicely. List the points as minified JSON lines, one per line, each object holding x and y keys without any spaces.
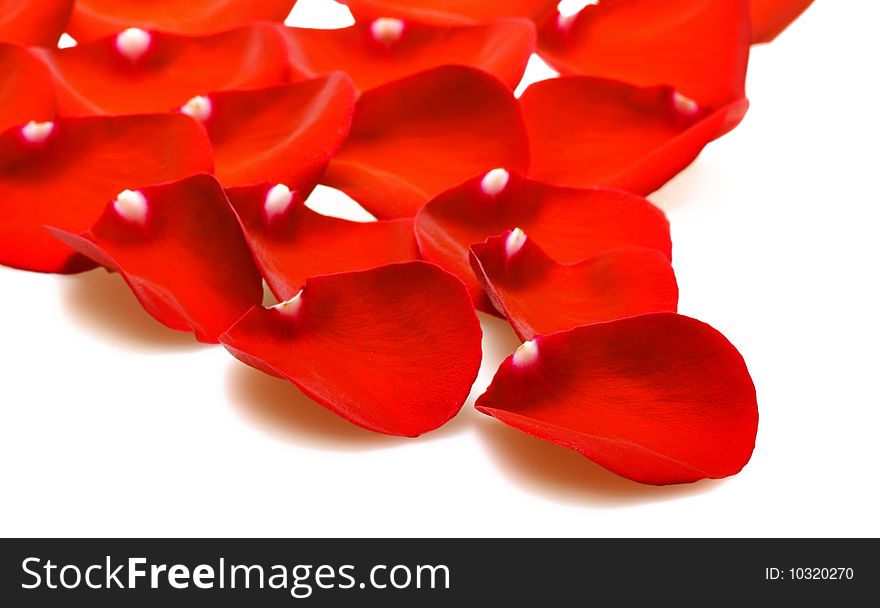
{"x":588,"y":131}
{"x":26,"y":91}
{"x":284,"y":134}
{"x":394,"y":349}
{"x":698,"y":47}
{"x":139,"y":71}
{"x":538,"y":295}
{"x":180,"y":249}
{"x":93,"y":19}
{"x":771,"y":17}
{"x":414,"y":138}
{"x":657,"y":398}
{"x":291,"y":243}
{"x":34,"y":22}
{"x":63,"y":174}
{"x":449,"y":11}
{"x":571,"y":224}
{"x":377,"y":52}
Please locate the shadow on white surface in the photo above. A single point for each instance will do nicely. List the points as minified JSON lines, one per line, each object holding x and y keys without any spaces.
{"x":499,"y":342}
{"x":684,"y":189}
{"x":276,"y":406}
{"x":101,"y":302}
{"x":556,"y":473}
{"x":499,"y":339}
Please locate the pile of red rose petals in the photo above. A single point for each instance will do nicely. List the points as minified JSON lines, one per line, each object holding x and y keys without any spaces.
{"x":177,"y":142}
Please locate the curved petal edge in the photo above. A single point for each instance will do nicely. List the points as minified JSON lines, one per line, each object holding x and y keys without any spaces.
{"x":180,"y":249}
{"x":538,"y":295}
{"x":393,"y":349}
{"x":658,"y":398}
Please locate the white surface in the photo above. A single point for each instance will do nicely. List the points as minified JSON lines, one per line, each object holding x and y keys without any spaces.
{"x":111,"y":425}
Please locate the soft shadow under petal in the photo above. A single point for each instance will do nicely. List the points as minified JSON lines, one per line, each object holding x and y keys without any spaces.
{"x":279,"y":408}
{"x":564,"y":475}
{"x":101,"y":302}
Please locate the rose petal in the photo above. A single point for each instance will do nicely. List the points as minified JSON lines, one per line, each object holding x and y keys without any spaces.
{"x":588,"y":131}
{"x":414,"y":138}
{"x":284,"y":134}
{"x":699,"y":47}
{"x":94,"y":19}
{"x":34,"y":22}
{"x":657,"y":398}
{"x":771,"y":17}
{"x":449,"y":11}
{"x":64,"y":173}
{"x":180,"y":249}
{"x":26,"y":90}
{"x":572,"y":225}
{"x":538,"y":295}
{"x":139,"y":71}
{"x":377,"y":52}
{"x":394,"y":349}
{"x":292,"y":243}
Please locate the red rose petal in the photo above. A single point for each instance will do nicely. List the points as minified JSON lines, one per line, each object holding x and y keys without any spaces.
{"x":588,"y":131}
{"x":26,"y":90}
{"x":771,"y":17}
{"x":657,"y":398}
{"x":34,"y":22}
{"x":572,"y":225}
{"x":139,"y":72}
{"x":538,"y":295}
{"x":414,"y":138}
{"x":449,"y":11}
{"x":394,"y":349}
{"x":699,"y":47}
{"x":377,"y":52}
{"x":285,"y":134}
{"x":180,"y":249}
{"x":93,"y":19}
{"x":292,"y":243}
{"x":63,"y":174}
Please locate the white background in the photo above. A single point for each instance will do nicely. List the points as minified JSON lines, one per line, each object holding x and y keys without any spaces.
{"x":111,"y":425}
